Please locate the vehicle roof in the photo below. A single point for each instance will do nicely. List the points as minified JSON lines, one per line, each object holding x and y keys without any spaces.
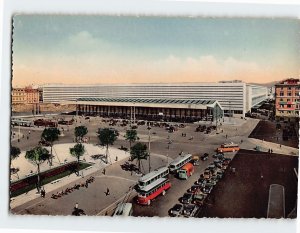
{"x":180,"y":158}
{"x":188,"y":165}
{"x":147,"y":188}
{"x":152,"y":174}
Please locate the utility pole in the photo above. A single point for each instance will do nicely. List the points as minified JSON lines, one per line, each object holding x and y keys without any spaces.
{"x":149,"y":128}
{"x":229,"y":111}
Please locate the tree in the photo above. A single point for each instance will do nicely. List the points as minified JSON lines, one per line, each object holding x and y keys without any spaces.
{"x":131,"y":136}
{"x":37,"y":156}
{"x":107,"y":137}
{"x":50,"y":135}
{"x":139,"y":152}
{"x":77,"y":151}
{"x":80,"y":132}
{"x":14,"y":153}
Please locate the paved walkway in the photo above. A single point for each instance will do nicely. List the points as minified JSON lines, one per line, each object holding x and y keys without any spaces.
{"x":251,"y":143}
{"x":60,"y":151}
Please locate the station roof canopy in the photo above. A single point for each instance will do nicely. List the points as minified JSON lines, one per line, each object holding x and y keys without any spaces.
{"x":151,"y":102}
{"x":154,"y":101}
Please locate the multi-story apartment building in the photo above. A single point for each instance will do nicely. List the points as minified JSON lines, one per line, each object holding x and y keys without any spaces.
{"x":287,"y":99}
{"x":32,"y":95}
{"x":234,"y":96}
{"x":18,"y":96}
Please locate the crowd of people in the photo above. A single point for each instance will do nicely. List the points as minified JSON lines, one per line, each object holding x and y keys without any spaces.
{"x":75,"y":187}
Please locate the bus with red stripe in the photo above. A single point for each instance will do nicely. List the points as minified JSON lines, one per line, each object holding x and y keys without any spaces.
{"x":150,"y":192}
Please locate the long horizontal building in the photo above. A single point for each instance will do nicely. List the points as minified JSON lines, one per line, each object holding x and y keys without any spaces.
{"x":176,"y":110}
{"x":235,"y":97}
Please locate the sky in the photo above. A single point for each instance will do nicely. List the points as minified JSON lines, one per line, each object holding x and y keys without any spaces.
{"x":128,"y":49}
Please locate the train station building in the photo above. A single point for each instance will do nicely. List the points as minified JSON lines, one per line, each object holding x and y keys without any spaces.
{"x":177,"y":110}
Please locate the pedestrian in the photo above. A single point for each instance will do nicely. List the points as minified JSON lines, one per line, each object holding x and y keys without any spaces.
{"x":241,"y":140}
{"x":104,"y":171}
{"x":226,"y":136}
{"x":116,"y":158}
{"x":76,"y":206}
{"x":222,"y":130}
{"x":107,"y":192}
{"x":271,"y":151}
{"x":29,"y":131}
{"x":27,"y":137}
{"x":280,"y":145}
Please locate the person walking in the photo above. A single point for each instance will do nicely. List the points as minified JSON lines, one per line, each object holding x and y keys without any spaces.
{"x":104,"y":171}
{"x":107,"y":192}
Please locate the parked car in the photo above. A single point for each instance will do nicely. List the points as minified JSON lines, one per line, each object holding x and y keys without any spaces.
{"x":187,"y":198}
{"x":199,"y":199}
{"x":190,"y":210}
{"x":207,"y":189}
{"x":194,"y":189}
{"x":176,"y":210}
{"x":218,"y":155}
{"x":204,"y":157}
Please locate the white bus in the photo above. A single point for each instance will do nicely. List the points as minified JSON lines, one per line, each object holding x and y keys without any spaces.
{"x":179,"y":162}
{"x":22,"y":122}
{"x":152,"y":176}
{"x":123,"y":209}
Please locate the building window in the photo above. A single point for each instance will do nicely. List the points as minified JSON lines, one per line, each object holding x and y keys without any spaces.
{"x":288,"y":105}
{"x":289,"y":94}
{"x":289,"y":88}
{"x":288,"y":100}
{"x":281,"y":99}
{"x":289,"y":112}
{"x":281,"y":94}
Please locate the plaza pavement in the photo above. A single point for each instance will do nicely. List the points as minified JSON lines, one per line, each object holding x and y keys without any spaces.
{"x":119,"y":180}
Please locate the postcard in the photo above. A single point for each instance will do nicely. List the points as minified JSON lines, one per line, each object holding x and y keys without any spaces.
{"x":154,"y":116}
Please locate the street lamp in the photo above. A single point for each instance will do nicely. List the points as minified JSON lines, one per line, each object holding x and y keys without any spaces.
{"x":149,"y":128}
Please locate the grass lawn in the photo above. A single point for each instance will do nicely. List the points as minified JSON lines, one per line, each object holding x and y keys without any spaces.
{"x":48,"y":180}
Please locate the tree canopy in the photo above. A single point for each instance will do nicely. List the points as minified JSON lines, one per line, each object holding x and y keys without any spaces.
{"x":107,"y":136}
{"x":139,"y":152}
{"x":37,"y":155}
{"x":80,"y":132}
{"x":131,"y":136}
{"x":50,"y":134}
{"x":14,"y":152}
{"x":77,"y":151}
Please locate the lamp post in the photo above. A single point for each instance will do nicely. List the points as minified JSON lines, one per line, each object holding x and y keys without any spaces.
{"x":149,"y":128}
{"x":169,"y":143}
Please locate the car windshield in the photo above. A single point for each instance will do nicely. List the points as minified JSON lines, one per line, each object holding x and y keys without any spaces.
{"x":187,"y":195}
{"x":177,"y":207}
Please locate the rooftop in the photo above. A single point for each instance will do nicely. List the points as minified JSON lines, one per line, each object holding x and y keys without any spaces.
{"x":150,"y":101}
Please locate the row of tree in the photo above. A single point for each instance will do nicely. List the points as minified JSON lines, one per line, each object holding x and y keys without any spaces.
{"x":38,"y":155}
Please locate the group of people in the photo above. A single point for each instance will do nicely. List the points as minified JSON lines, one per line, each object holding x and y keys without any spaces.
{"x":76,"y":186}
{"x":270,"y":151}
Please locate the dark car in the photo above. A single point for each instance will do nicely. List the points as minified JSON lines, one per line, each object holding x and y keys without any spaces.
{"x":187,"y":198}
{"x":199,"y":181}
{"x":176,"y":210}
{"x":204,"y":157}
{"x":218,"y":155}
{"x":194,"y":189}
{"x":199,"y":199}
{"x":190,"y":210}
{"x":207,"y":189}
